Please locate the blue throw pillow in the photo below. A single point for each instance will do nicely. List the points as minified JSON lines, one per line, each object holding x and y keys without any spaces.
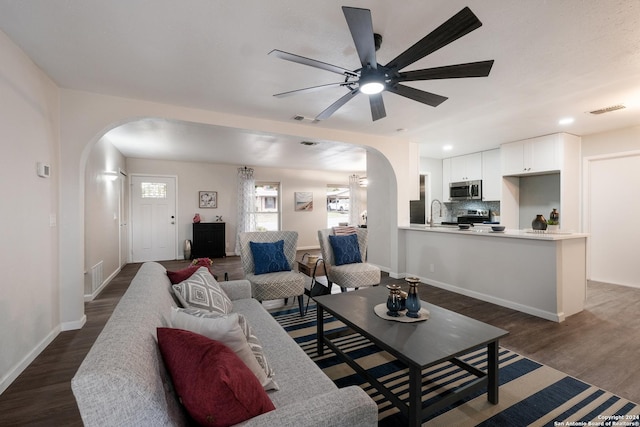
{"x":269,"y":257}
{"x":345,"y":249}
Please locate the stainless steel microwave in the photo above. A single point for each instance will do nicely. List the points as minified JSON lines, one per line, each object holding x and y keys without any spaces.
{"x":466,"y":190}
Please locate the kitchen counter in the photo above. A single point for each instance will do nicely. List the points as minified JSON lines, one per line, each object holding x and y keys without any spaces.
{"x":485,"y":230}
{"x":542,"y":274}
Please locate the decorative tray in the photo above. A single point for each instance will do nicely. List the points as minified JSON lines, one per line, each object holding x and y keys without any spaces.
{"x":381,"y":311}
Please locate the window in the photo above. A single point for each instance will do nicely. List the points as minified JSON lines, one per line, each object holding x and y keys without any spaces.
{"x":337,"y":205}
{"x":153,"y":190}
{"x":267,"y":212}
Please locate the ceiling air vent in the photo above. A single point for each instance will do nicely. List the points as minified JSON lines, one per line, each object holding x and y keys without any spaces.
{"x":608,"y":109}
{"x":299,"y":118}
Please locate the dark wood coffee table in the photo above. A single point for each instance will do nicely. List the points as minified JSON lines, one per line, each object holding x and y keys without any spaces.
{"x":443,"y":337}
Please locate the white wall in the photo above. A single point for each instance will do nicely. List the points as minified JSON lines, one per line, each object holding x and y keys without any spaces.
{"x":615,"y":141}
{"x":102,"y":212}
{"x":194,"y":177}
{"x":538,"y":195}
{"x":29,"y":117}
{"x":382,"y":222}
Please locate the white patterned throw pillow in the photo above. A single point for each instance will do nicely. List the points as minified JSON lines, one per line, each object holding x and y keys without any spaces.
{"x":256,"y":348}
{"x":201,"y":290}
{"x":266,"y":374}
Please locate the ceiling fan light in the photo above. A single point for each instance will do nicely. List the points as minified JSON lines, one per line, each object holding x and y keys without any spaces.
{"x":371,"y":88}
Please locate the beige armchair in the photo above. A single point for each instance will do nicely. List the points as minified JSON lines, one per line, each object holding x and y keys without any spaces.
{"x":353,"y":274}
{"x":282,"y":283}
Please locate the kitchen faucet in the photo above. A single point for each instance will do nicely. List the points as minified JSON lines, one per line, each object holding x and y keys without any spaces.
{"x":439,"y":211}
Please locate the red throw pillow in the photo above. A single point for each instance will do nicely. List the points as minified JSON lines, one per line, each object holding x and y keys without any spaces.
{"x":182,"y":275}
{"x":213,"y":383}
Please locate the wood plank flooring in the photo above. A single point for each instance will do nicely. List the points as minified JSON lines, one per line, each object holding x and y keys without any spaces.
{"x":599,"y":345}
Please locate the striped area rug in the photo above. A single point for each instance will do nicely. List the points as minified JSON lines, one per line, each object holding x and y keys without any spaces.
{"x":530,"y":393}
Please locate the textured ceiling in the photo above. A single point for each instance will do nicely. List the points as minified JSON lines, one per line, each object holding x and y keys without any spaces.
{"x":552,"y":59}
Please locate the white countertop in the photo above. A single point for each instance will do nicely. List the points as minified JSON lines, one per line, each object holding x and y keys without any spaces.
{"x":485,"y":230}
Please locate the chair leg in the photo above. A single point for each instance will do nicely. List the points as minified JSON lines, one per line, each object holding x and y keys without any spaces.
{"x":286,"y":300}
{"x":301,"y":304}
{"x":343,"y":289}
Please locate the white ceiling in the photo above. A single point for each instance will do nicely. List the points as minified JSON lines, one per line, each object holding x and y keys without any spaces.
{"x":553,"y":59}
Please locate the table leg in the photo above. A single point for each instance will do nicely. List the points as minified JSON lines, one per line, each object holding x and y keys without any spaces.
{"x":415,"y":396}
{"x":320,"y":329}
{"x":492,"y":362}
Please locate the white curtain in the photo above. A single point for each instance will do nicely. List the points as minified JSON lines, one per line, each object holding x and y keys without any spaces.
{"x":355,"y":201}
{"x":246,"y":203}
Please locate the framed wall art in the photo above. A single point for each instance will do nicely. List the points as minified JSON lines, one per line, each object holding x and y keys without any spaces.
{"x":303,"y":201}
{"x":208,"y":199}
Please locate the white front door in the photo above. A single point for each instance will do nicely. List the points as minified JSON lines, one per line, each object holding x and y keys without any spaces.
{"x":153,"y":218}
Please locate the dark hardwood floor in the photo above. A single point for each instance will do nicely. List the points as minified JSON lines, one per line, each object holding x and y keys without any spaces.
{"x":599,"y":345}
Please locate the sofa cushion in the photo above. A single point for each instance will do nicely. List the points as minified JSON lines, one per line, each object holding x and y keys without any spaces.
{"x":226,"y":329}
{"x":214,"y":385}
{"x":201,"y":290}
{"x":345,"y":249}
{"x":269,"y":257}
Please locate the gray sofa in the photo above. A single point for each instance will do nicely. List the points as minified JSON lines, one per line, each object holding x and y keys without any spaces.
{"x":123,"y":382}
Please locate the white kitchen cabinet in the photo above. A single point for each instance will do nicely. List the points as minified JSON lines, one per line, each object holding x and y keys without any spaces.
{"x":532,"y":156}
{"x":466,"y":168}
{"x":491,"y":176}
{"x":446,"y":178}
{"x":558,"y":154}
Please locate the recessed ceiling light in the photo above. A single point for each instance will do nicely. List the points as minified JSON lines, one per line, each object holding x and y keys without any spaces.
{"x":308,"y":143}
{"x":447,"y":147}
{"x":566,"y":121}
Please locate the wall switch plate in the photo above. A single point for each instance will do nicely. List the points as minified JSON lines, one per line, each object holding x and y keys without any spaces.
{"x":431,"y":268}
{"x":52,"y":220}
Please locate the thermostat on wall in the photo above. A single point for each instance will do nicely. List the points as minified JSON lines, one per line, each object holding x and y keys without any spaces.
{"x":44,"y":170}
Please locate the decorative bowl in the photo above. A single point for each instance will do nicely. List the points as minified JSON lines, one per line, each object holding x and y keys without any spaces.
{"x":497,"y":227}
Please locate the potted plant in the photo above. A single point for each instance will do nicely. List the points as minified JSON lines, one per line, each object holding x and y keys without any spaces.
{"x":552,"y":226}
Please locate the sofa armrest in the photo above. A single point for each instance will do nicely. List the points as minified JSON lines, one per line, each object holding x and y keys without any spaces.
{"x":349,"y":406}
{"x":237,"y":289}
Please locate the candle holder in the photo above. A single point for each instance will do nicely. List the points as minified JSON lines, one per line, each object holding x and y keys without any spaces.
{"x":393,"y":301}
{"x":413,"y":301}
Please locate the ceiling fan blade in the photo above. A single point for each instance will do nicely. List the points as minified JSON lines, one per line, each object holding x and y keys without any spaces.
{"x":417,"y":95}
{"x":455,"y":27}
{"x":377,"y":107}
{"x":336,"y":105}
{"x":309,"y":89}
{"x":471,"y":69}
{"x":359,"y":21}
{"x":312,"y":63}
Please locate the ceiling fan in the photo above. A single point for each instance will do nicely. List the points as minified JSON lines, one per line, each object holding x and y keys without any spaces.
{"x":372,"y":78}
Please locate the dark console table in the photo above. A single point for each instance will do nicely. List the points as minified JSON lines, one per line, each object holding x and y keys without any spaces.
{"x":208,"y":240}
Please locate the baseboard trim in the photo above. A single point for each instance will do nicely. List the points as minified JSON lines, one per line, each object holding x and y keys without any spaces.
{"x":92,"y":296}
{"x":11,"y":376}
{"x":74,"y":325}
{"x":554,"y":317}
